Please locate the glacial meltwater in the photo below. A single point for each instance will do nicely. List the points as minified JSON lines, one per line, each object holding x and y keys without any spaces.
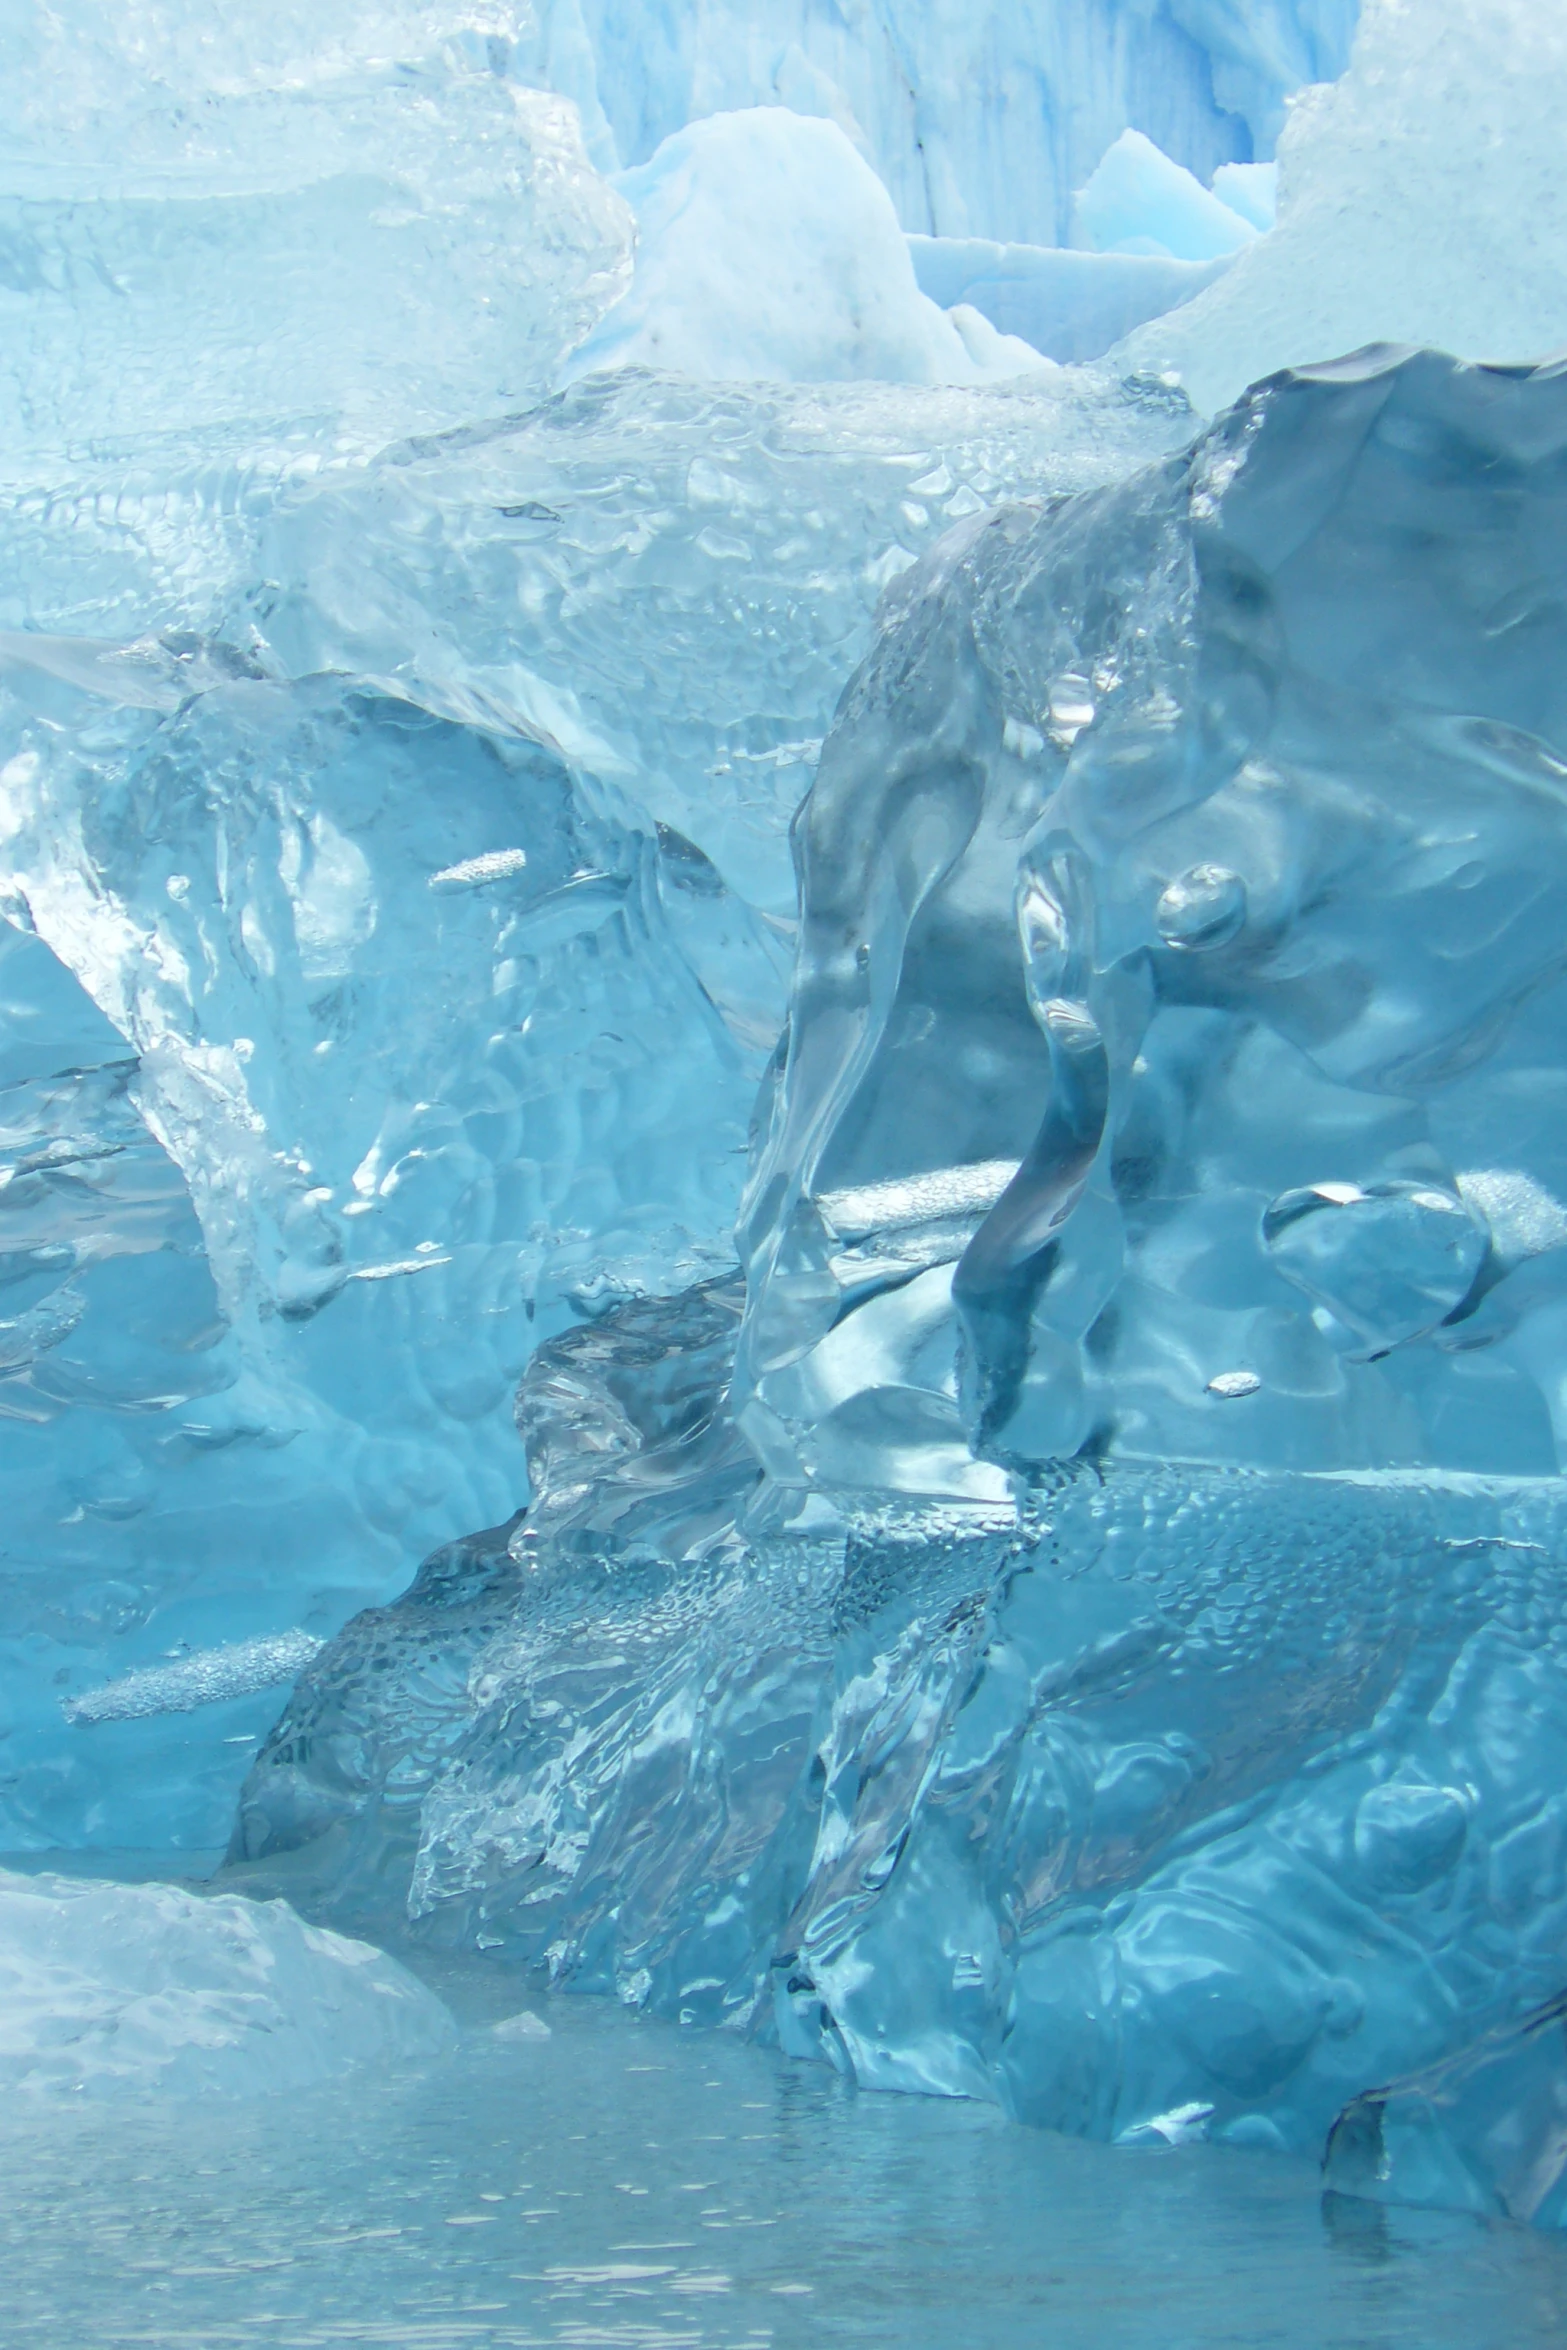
{"x":582,"y":2176}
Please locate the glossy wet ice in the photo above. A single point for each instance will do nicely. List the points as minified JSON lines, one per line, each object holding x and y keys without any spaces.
{"x":627,"y":2183}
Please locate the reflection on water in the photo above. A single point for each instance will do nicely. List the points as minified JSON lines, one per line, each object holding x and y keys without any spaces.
{"x":624,"y":2183}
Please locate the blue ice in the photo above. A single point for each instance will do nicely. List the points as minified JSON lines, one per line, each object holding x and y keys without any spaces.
{"x":774,"y":873}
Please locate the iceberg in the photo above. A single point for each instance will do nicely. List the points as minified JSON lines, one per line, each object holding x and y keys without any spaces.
{"x":1075,"y":1621}
{"x":113,"y":1991}
{"x":1066,"y":305}
{"x":768,"y":249}
{"x":820,"y":937}
{"x":978,"y":124}
{"x":1137,"y":201}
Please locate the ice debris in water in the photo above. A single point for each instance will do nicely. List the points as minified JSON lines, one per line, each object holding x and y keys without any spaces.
{"x":1077,"y":1621}
{"x":111,"y":1990}
{"x":1137,"y":201}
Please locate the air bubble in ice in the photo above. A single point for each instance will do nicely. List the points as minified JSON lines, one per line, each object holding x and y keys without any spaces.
{"x":1202,"y":908}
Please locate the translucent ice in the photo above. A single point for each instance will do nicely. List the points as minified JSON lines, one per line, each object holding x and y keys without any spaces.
{"x":233,"y":221}
{"x":1222,"y":834}
{"x":442,"y":948}
{"x":111,"y":1990}
{"x":1485,"y":2132}
{"x":1171,"y":1803}
{"x":1082,"y":1626}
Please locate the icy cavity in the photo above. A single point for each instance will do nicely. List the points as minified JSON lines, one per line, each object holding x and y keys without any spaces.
{"x":113,"y":1990}
{"x":1081,"y":1624}
{"x":1420,"y":198}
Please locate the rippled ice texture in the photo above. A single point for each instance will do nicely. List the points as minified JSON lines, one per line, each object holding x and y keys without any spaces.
{"x":1074,"y":1620}
{"x":1080,"y":1623}
{"x":400,"y":918}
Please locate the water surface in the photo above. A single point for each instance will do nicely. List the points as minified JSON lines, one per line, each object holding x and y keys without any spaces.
{"x":626,"y":2183}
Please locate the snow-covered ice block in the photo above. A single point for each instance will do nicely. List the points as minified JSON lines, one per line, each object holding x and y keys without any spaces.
{"x":110,"y":1990}
{"x":1138,"y":201}
{"x":1068,"y":305}
{"x":1421,"y":200}
{"x":768,"y":249}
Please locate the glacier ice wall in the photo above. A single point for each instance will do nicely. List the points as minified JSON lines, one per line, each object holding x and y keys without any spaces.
{"x":1080,"y":1623}
{"x":979,"y":123}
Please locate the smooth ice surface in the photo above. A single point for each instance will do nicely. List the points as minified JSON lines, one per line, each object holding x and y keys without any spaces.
{"x":112,"y":1991}
{"x":621,"y":2182}
{"x":767,"y":249}
{"x":1485,"y":2132}
{"x":1137,"y":201}
{"x":1420,"y":199}
{"x":1251,"y":189}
